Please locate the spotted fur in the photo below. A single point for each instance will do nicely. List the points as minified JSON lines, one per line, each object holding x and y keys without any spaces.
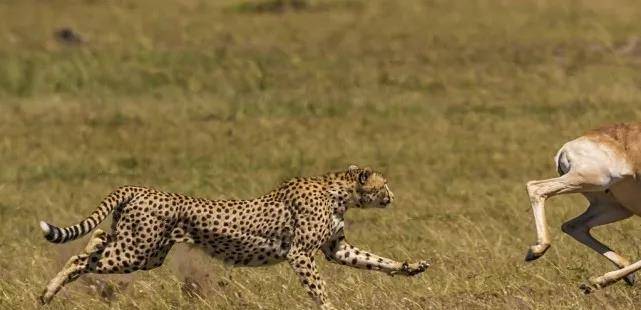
{"x":291,"y":223}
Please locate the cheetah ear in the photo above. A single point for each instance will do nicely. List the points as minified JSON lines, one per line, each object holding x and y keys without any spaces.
{"x":364,"y":175}
{"x":352,"y":167}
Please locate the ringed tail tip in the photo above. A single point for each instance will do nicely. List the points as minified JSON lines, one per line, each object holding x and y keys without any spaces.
{"x":49,"y":231}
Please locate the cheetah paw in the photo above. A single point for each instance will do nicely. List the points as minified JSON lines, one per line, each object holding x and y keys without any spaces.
{"x":414,"y":268}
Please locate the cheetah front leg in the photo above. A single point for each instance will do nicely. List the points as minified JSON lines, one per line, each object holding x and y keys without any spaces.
{"x":339,"y":251}
{"x":305,"y":267}
{"x":75,"y":266}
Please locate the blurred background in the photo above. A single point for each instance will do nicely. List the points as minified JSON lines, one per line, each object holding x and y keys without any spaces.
{"x":458,"y":103}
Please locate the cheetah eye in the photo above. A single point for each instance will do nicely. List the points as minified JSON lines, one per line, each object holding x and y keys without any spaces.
{"x":363,"y":176}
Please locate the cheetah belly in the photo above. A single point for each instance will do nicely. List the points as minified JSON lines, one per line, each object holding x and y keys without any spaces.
{"x":249,"y":250}
{"x":241,"y":234}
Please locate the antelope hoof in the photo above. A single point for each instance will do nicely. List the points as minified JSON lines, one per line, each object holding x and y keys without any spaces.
{"x":593,"y":284}
{"x":629,"y":279}
{"x":536,"y":251}
{"x":587,"y":288}
{"x":45,"y":298}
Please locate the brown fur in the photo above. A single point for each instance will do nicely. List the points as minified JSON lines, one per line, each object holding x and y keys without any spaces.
{"x":625,"y":138}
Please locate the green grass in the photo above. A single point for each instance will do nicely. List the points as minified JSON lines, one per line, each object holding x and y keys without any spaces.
{"x":458,"y":103}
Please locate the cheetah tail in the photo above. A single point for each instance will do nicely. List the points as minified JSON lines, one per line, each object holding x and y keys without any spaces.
{"x":117,"y":199}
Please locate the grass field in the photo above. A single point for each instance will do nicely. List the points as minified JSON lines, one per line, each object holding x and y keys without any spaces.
{"x":458,"y":103}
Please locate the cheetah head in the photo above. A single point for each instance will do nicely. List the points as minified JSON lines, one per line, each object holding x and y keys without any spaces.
{"x":371,"y":190}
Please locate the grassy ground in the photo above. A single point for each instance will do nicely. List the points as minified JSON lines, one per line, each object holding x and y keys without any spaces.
{"x":459,"y":103}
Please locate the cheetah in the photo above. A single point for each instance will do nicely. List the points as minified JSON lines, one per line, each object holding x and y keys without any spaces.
{"x":291,"y":223}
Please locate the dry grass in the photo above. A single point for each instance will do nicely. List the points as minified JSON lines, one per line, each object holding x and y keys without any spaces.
{"x":457,"y":102}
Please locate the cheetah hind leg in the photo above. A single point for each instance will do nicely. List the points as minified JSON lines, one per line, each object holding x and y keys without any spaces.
{"x":75,"y":266}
